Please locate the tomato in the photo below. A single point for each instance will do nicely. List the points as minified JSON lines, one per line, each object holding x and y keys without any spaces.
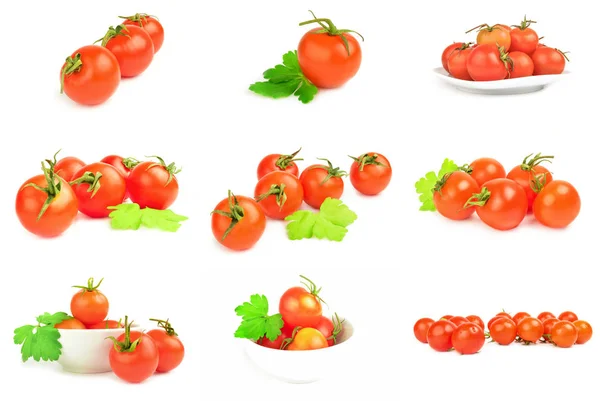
{"x":370,"y":173}
{"x":468,"y":338}
{"x":238,"y":222}
{"x":46,"y":205}
{"x":548,"y":325}
{"x":320,"y":182}
{"x":70,"y":324}
{"x":170,"y":347}
{"x":134,"y":357}
{"x":501,"y":204}
{"x":153,"y":184}
{"x":439,"y":336}
{"x":306,"y":339}
{"x":446,"y":317}
{"x":584,"y":331}
{"x":531,"y":176}
{"x":458,"y":320}
{"x":457,"y":62}
{"x":330,"y":328}
{"x":286,"y":334}
{"x":106,"y":324}
{"x":279,"y":194}
{"x":545,"y":315}
{"x":151,"y":25}
{"x":493,"y":319}
{"x":123,"y":165}
{"x":505,"y":314}
{"x":421,"y":328}
{"x":488,"y":63}
{"x":328,"y":57}
{"x":548,"y":61}
{"x":132,"y":46}
{"x":564,"y":334}
{"x":557,"y":205}
{"x":477,"y":320}
{"x":523,"y":38}
{"x":67,"y":166}
{"x":503,"y":330}
{"x":89,"y":305}
{"x":90,"y":76}
{"x":503,"y":26}
{"x":452,"y":192}
{"x":486,"y":169}
{"x":496,"y":35}
{"x":530,"y":329}
{"x":98,"y":186}
{"x":520,"y":65}
{"x":519,"y":316}
{"x":301,"y":306}
{"x":456,"y":46}
{"x":568,"y":316}
{"x":278,"y":162}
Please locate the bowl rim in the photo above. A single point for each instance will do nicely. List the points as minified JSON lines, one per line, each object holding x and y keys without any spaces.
{"x":133,"y":326}
{"x":443,"y":74}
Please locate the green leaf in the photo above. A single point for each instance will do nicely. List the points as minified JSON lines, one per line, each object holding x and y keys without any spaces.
{"x":335,"y":211}
{"x":129,"y":216}
{"x":301,"y":224}
{"x":51,"y":320}
{"x":257,"y":307}
{"x":165,"y":220}
{"x":326,"y":229}
{"x":126,"y":216}
{"x":448,"y":166}
{"x":425,"y":185}
{"x":256,"y":322}
{"x":275,"y":90}
{"x":306,"y":92}
{"x":40,"y":342}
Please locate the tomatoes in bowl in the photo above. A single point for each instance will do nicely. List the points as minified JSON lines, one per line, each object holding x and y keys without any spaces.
{"x":301,"y":306}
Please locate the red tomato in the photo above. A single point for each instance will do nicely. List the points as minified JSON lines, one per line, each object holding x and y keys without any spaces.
{"x":170,"y":347}
{"x":70,"y":324}
{"x":468,"y":339}
{"x":531,"y":176}
{"x":90,"y":76}
{"x":494,"y":35}
{"x":568,"y":316}
{"x":519,"y":316}
{"x":452,"y":192}
{"x":548,"y":61}
{"x":370,"y":173}
{"x":548,"y":325}
{"x":557,"y":205}
{"x":421,"y":328}
{"x":520,"y":65}
{"x":493,"y":319}
{"x":329,"y":57}
{"x":301,"y":306}
{"x":123,"y":165}
{"x":457,"y":62}
{"x":330,"y":328}
{"x":564,"y":334}
{"x":89,"y":305}
{"x":279,"y":194}
{"x":306,"y":339}
{"x":134,"y":357}
{"x":107,"y":324}
{"x":530,"y":329}
{"x":456,"y":46}
{"x":98,"y":186}
{"x":502,"y":204}
{"x":477,"y":320}
{"x":67,"y":166}
{"x":286,"y":334}
{"x":238,"y":222}
{"x":320,"y":182}
{"x":458,"y":320}
{"x":486,"y":169}
{"x":523,"y":38}
{"x":132,"y":46}
{"x":584,"y":331}
{"x":505,"y":314}
{"x":439,"y":336}
{"x":503,"y":330}
{"x":446,"y":317}
{"x":153,"y":184}
{"x":278,"y":162}
{"x":488,"y":63}
{"x":545,"y":315}
{"x":151,"y":25}
{"x":46,"y":205}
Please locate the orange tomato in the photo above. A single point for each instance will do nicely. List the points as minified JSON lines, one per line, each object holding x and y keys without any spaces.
{"x":307,"y":339}
{"x":493,"y":35}
{"x":70,"y":324}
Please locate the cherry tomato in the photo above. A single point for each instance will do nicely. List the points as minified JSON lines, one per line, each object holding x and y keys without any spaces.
{"x":170,"y":347}
{"x":530,"y":329}
{"x":123,"y":165}
{"x":151,"y":25}
{"x":457,"y":62}
{"x":564,"y":334}
{"x":477,"y":320}
{"x":89,"y":305}
{"x":330,"y":328}
{"x":488,"y":63}
{"x":98,"y":186}
{"x":493,"y":319}
{"x":503,"y":330}
{"x":90,"y":76}
{"x":107,"y":324}
{"x":278,"y":162}
{"x":468,"y":338}
{"x":505,"y":27}
{"x":370,"y":173}
{"x":448,"y":51}
{"x":286,"y":333}
{"x":458,"y":320}
{"x":70,"y":324}
{"x":446,"y":317}
{"x":486,"y":169}
{"x":520,"y":65}
{"x":531,"y":176}
{"x":279,"y":194}
{"x":132,"y":46}
{"x":557,"y":205}
{"x":67,"y":166}
{"x":523,"y":38}
{"x":505,"y":314}
{"x":439,"y":336}
{"x":306,"y":339}
{"x":421,"y":328}
{"x":153,"y":184}
{"x":584,"y":331}
{"x":452,"y":192}
{"x":501,"y":204}
{"x":328,"y":57}
{"x":548,"y":325}
{"x":545,"y":315}
{"x":548,"y":61}
{"x":238,"y":222}
{"x":320,"y":182}
{"x":568,"y":316}
{"x":301,"y":306}
{"x":519,"y":316}
{"x":496,"y":35}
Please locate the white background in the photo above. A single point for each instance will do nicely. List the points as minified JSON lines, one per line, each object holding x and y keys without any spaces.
{"x":396,"y":264}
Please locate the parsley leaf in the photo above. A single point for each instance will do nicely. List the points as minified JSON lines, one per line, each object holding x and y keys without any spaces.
{"x":129,"y":216}
{"x":301,"y":224}
{"x":326,"y":229}
{"x":337,"y":213}
{"x":330,"y":222}
{"x":256,"y":322}
{"x":426,"y":184}
{"x":40,"y":342}
{"x":51,"y":320}
{"x":126,"y":216}
{"x":285,"y":80}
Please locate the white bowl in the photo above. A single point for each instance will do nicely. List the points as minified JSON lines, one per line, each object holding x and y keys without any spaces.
{"x":304,"y":366}
{"x":514,"y":86}
{"x":86,"y":351}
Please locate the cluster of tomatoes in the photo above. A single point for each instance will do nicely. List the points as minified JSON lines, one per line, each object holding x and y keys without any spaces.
{"x":467,"y":335}
{"x":136,"y":355}
{"x":47,"y":204}
{"x":503,"y":200}
{"x":238,"y":222}
{"x":502,"y":52}
{"x":92,"y":74}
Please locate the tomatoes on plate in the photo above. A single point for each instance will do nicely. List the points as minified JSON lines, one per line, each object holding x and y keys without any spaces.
{"x":584,"y":331}
{"x":557,"y":205}
{"x":486,"y":169}
{"x":306,"y":339}
{"x":238,"y":222}
{"x":488,"y":63}
{"x":329,"y":57}
{"x":132,"y":46}
{"x":531,"y":176}
{"x":457,"y":62}
{"x":503,"y":330}
{"x":468,"y":338}
{"x":477,"y":320}
{"x":330,"y":328}
{"x":564,"y":334}
{"x":151,"y":25}
{"x":70,"y":324}
{"x":170,"y":348}
{"x":279,"y":194}
{"x":523,"y":38}
{"x":530,"y":329}
{"x":90,"y":76}
{"x":89,"y":305}
{"x":452,"y":192}
{"x":568,"y":316}
{"x":320,"y":182}
{"x":520,"y":316}
{"x":421,"y":328}
{"x":548,"y":61}
{"x":153,"y":184}
{"x":278,"y":162}
{"x":301,"y":306}
{"x":106,"y":324}
{"x":98,"y":186}
{"x":519,"y":65}
{"x":286,"y":334}
{"x":448,"y":51}
{"x":67,"y":166}
{"x":370,"y":173}
{"x":439,"y":336}
{"x":493,"y":35}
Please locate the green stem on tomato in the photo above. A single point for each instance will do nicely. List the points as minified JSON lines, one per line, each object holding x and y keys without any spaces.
{"x":331,"y":29}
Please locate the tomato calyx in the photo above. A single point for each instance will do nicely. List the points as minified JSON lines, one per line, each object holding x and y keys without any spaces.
{"x":526,"y":23}
{"x":72,"y":65}
{"x":138,"y":18}
{"x":171,"y":168}
{"x":484,"y":27}
{"x":90,"y":287}
{"x":332,"y":172}
{"x":479,"y":199}
{"x":331,"y":29}
{"x":113,"y":32}
{"x":164,"y":324}
{"x":366,"y":159}
{"x":236,"y":213}
{"x":288,"y":341}
{"x":530,"y":161}
{"x":126,"y":345}
{"x":439,"y":185}
{"x":278,"y":190}
{"x":53,"y":185}
{"x":130,"y":162}
{"x":464,"y":46}
{"x":312,"y":288}
{"x":466,"y":168}
{"x":338,"y":326}
{"x":89,"y":178}
{"x":284,"y":161}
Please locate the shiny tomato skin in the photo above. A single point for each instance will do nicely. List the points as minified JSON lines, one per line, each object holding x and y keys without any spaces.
{"x":505,"y":314}
{"x":521,"y":66}
{"x":530,"y":329}
{"x":306,"y":339}
{"x":548,"y":61}
{"x":519,"y":316}
{"x":453,"y":191}
{"x":477,"y":320}
{"x":503,"y":330}
{"x":328,"y":328}
{"x":111,"y":190}
{"x":468,"y":339}
{"x":527,"y":178}
{"x":148,"y":186}
{"x":246,"y":232}
{"x":523,"y":40}
{"x":485,"y":169}
{"x":372,"y":177}
{"x":317,"y":188}
{"x":507,"y":206}
{"x":324,"y":60}
{"x":485,"y":64}
{"x":97,"y":79}
{"x":439,"y":336}
{"x":152,"y":26}
{"x":67,"y":166}
{"x":545,"y":315}
{"x":268,"y":164}
{"x":290,"y":199}
{"x":104,"y":325}
{"x":493,"y":319}
{"x":421,"y":328}
{"x":568,"y":316}
{"x":448,"y":51}
{"x":134,"y":51}
{"x":286,"y":332}
{"x":496,"y":35}
{"x":458,"y":320}
{"x":70,"y":324}
{"x":116,"y":162}
{"x":138,"y":365}
{"x":89,"y":307}
{"x":170,"y":350}
{"x":564,"y":334}
{"x":299,"y":307}
{"x":457,"y":64}
{"x":584,"y":331}
{"x":557,"y":205}
{"x":548,"y":323}
{"x":446,"y":317}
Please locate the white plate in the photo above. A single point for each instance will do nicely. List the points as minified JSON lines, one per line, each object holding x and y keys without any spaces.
{"x":514,"y":86}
